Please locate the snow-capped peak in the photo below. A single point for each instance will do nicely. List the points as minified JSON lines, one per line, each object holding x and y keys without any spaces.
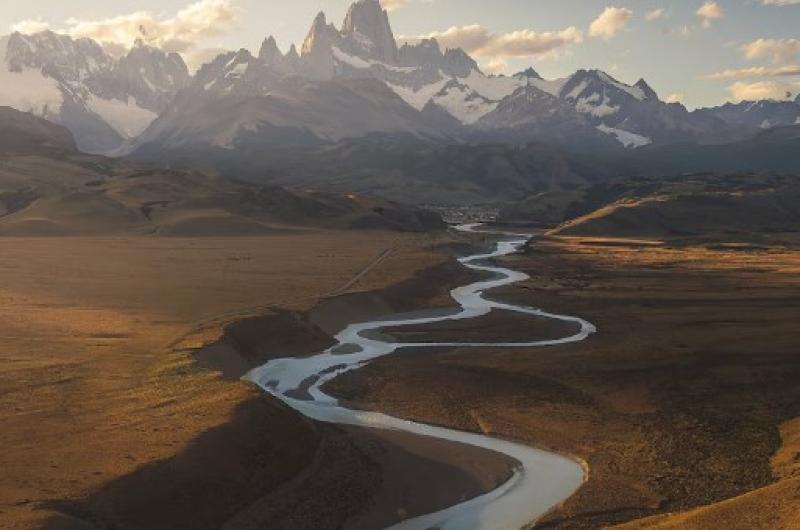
{"x":649,"y":93}
{"x":76,"y":83}
{"x":57,"y":56}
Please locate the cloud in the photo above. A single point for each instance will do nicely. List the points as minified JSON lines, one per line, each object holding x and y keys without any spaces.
{"x":610,"y":22}
{"x":181,"y":33}
{"x":495,"y":66}
{"x":470,"y":38}
{"x":709,"y":12}
{"x":391,"y":5}
{"x":762,"y":90}
{"x":777,"y":50}
{"x":526,"y":43}
{"x":655,"y":14}
{"x":675,"y":98}
{"x":28,"y":27}
{"x":477,"y":40}
{"x":780,"y":2}
{"x":756,"y":71}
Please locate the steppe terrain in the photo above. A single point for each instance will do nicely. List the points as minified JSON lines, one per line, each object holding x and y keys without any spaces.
{"x":683,"y":406}
{"x":95,"y":386}
{"x":686,"y":397}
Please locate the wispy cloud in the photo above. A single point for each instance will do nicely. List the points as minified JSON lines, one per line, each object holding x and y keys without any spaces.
{"x":610,"y":22}
{"x":756,"y":71}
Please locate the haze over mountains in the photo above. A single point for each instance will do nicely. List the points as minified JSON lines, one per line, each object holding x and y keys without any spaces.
{"x":342,"y":84}
{"x":76,"y":83}
{"x":353,"y":111}
{"x":47,"y":187}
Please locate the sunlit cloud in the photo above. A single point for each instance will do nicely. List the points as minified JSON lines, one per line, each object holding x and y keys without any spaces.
{"x":776,"y":50}
{"x":391,"y":5}
{"x":741,"y":91}
{"x":29,"y":27}
{"x":709,"y":13}
{"x":610,"y":22}
{"x":675,"y":98}
{"x":181,"y":33}
{"x":476,"y":39}
{"x":495,"y":66}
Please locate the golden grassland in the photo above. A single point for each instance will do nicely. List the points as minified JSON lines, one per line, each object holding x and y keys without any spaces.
{"x":92,"y":386}
{"x":684,"y":405}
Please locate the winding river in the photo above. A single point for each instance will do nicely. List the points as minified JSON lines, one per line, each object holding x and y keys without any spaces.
{"x":541,"y":479}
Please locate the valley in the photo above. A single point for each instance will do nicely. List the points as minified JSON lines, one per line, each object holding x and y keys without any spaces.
{"x":412,"y":270}
{"x":676,"y":402}
{"x":353,"y":110}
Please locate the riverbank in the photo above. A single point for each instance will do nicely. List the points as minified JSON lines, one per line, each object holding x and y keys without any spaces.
{"x":675,"y":403}
{"x":541,"y":480}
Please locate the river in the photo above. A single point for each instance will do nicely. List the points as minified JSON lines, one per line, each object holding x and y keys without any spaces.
{"x":541,"y":479}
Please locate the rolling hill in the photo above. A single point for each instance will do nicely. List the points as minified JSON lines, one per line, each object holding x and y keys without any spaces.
{"x":739,"y":206}
{"x":49,"y":188}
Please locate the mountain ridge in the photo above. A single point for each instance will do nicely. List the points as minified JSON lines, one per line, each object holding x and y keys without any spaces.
{"x":119,"y":105}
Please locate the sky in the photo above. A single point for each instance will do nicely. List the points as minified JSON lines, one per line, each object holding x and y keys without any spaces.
{"x":698,"y":52}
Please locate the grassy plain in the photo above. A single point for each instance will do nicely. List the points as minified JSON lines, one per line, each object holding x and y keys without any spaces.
{"x":96,"y":383}
{"x":680,"y":401}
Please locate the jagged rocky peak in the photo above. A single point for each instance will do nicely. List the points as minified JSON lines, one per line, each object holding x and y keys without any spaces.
{"x":243,"y":56}
{"x":292,"y":53}
{"x":367,"y":19}
{"x":149,"y":75}
{"x":649,"y":93}
{"x":425,"y":52}
{"x":598,"y":86}
{"x":428,"y":54}
{"x":528,"y":94}
{"x":458,"y":63}
{"x":320,"y":37}
{"x":577,"y":84}
{"x":269,"y":52}
{"x":528,"y":106}
{"x":166,"y":71}
{"x":317,"y":51}
{"x":528,"y":73}
{"x":590,"y":74}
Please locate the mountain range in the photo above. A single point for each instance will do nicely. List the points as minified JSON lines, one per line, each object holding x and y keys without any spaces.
{"x":74,"y":82}
{"x":343,"y":83}
{"x":351,"y":111}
